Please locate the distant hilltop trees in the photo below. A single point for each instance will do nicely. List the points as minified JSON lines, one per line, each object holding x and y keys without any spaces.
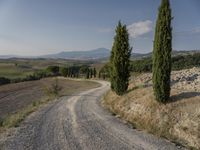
{"x":83,"y":71}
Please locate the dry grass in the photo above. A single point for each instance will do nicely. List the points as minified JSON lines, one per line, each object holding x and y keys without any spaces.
{"x":178,"y":120}
{"x":18,"y":114}
{"x":14,"y":97}
{"x":13,"y":120}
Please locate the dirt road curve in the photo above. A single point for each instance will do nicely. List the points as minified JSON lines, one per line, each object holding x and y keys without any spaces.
{"x":79,"y":122}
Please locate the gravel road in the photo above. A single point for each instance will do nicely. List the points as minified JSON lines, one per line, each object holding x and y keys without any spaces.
{"x":79,"y":122}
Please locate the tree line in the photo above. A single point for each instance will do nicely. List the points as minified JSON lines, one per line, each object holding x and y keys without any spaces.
{"x":178,"y":63}
{"x":78,"y":71}
{"x":53,"y":71}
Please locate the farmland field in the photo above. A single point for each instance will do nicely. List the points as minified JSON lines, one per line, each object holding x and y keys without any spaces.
{"x":19,"y":68}
{"x":14,"y":97}
{"x":11,"y":71}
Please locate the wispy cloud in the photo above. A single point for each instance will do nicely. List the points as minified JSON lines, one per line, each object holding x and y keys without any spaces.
{"x":140,"y":28}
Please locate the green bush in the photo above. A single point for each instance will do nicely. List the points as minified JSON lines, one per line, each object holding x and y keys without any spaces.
{"x":185,"y":62}
{"x":64,"y":71}
{"x":143,"y":65}
{"x":54,"y":70}
{"x":178,"y":63}
{"x":4,"y":80}
{"x":104,"y":72}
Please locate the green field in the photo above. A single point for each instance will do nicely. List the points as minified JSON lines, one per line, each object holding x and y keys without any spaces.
{"x":12,"y":71}
{"x":20,"y":68}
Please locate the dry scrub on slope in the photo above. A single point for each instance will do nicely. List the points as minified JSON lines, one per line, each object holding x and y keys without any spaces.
{"x":177,"y":120}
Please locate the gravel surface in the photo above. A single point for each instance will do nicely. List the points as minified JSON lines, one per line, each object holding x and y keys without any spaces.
{"x":79,"y":122}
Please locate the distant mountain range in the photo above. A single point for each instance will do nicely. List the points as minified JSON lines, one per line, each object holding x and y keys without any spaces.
{"x":96,"y":54}
{"x":100,"y":53}
{"x":8,"y":56}
{"x":81,"y":55}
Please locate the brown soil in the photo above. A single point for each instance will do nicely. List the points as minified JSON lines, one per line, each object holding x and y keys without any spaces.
{"x":14,"y":97}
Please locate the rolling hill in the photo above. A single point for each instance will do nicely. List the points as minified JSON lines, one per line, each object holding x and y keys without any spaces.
{"x":81,"y":55}
{"x":96,"y":54}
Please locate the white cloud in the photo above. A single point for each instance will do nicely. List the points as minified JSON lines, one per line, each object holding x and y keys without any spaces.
{"x":140,"y":28}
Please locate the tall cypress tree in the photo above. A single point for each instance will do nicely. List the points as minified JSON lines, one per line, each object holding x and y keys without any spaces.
{"x":162,"y":53}
{"x":95,"y":72}
{"x":91,"y":72}
{"x":120,"y":60}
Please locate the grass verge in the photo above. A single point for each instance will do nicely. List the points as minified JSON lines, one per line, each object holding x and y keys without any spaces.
{"x":13,"y":120}
{"x":52,"y":89}
{"x":176,"y":121}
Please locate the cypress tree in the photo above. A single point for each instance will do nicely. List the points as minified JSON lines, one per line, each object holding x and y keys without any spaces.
{"x":99,"y":75}
{"x":95,"y":72}
{"x":162,"y":53}
{"x":88,"y":73}
{"x":91,"y":73}
{"x":120,"y":60}
{"x":67,"y":72}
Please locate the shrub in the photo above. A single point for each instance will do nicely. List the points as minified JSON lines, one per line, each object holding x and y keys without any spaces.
{"x":64,"y":71}
{"x":54,"y":70}
{"x":4,"y":80}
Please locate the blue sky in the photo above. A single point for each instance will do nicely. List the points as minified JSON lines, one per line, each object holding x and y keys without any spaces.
{"x":36,"y":27}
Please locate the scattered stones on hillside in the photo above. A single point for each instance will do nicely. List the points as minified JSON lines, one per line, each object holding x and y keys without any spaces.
{"x":188,"y":79}
{"x":185,"y":80}
{"x":180,"y":118}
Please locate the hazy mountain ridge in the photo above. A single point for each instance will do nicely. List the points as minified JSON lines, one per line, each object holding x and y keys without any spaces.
{"x":90,"y":54}
{"x":96,"y":54}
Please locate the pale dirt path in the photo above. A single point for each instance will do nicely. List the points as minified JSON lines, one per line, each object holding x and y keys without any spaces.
{"x":79,"y":122}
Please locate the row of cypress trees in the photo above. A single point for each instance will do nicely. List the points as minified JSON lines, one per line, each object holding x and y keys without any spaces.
{"x":77,"y":71}
{"x":121,"y":52}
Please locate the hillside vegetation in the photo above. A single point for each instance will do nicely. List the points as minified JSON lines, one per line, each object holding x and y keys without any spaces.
{"x":178,"y":63}
{"x":144,"y":65}
{"x":20,"y":70}
{"x":177,"y":120}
